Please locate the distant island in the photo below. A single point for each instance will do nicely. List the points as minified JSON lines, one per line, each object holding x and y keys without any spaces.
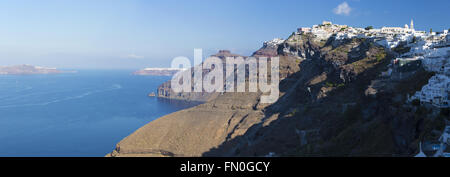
{"x":158,"y":71}
{"x":28,"y":69}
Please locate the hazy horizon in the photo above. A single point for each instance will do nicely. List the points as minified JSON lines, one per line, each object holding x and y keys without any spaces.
{"x":137,"y":33}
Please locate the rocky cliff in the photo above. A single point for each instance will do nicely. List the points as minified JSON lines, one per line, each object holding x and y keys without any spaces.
{"x":334,"y":101}
{"x":165,"y":91}
{"x":269,"y":48}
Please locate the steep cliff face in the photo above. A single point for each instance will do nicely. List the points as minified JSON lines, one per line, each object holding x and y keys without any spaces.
{"x":165,"y":91}
{"x":269,"y":48}
{"x":193,"y":131}
{"x":339,"y":105}
{"x":333,"y":102}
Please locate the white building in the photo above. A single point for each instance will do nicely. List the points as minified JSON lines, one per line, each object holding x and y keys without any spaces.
{"x":274,"y":42}
{"x":430,"y":49}
{"x":321,"y":33}
{"x":406,"y":29}
{"x":303,"y":30}
{"x":392,"y":29}
{"x":436,"y":92}
{"x":344,"y":35}
{"x":395,"y":29}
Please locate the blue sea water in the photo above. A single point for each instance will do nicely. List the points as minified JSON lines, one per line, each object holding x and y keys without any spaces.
{"x":75,"y":114}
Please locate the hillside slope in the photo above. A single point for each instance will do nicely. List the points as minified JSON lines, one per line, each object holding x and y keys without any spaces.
{"x":333,"y":102}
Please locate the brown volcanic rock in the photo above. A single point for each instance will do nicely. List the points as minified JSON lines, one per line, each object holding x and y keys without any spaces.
{"x":323,"y":110}
{"x":269,"y":49}
{"x":193,"y":131}
{"x":165,"y":91}
{"x":266,"y":52}
{"x":222,"y":54}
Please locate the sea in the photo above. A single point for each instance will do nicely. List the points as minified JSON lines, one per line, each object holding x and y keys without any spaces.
{"x":82,"y":114}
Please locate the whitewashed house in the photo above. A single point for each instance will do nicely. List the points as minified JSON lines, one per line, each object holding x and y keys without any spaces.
{"x":303,"y":30}
{"x":436,"y":92}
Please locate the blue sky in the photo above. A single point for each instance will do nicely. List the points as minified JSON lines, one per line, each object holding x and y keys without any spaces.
{"x":132,"y":34}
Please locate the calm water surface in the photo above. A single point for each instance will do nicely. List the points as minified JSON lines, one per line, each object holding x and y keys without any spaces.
{"x":75,"y":114}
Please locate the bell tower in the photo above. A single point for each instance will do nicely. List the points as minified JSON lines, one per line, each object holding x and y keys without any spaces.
{"x":412,"y":24}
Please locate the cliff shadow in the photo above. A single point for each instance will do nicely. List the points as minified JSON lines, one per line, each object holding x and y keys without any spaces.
{"x":287,"y":132}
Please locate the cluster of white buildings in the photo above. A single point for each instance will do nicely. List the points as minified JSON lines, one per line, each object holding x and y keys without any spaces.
{"x":324,"y":30}
{"x":434,"y":52}
{"x":431,"y":49}
{"x":386,"y":36}
{"x":406,"y":29}
{"x":419,"y":49}
{"x":436,"y":92}
{"x":274,"y":42}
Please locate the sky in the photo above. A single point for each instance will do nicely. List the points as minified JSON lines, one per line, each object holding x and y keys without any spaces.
{"x":133,"y":34}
